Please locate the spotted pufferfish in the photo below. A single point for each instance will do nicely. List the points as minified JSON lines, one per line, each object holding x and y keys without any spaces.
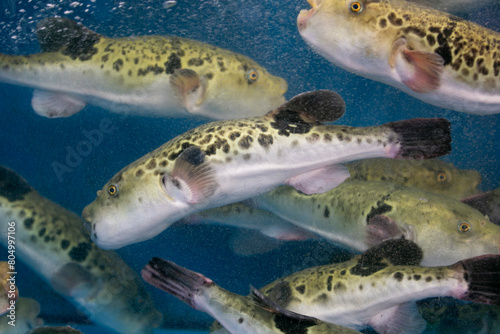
{"x":436,"y":57}
{"x":146,"y":75}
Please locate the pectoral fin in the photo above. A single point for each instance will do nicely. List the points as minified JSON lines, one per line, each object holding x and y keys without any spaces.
{"x":380,"y":228}
{"x":189,"y":87}
{"x":420,"y":71}
{"x":319,"y":180}
{"x":73,"y":280}
{"x":53,"y":104}
{"x":400,"y":319}
{"x":192,"y":179}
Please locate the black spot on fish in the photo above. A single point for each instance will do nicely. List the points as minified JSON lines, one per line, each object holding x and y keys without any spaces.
{"x":288,"y":121}
{"x":382,"y":23}
{"x":326,"y":213}
{"x":195,"y":62}
{"x":445,"y":52}
{"x":28,"y":223}
{"x":139,"y":173}
{"x":136,"y":61}
{"x":394,"y":20}
{"x":240,"y":320}
{"x":234,"y":135}
{"x":79,"y":253}
{"x":290,"y":325}
{"x":173,"y":63}
{"x":151,"y":164}
{"x":64,"y":244}
{"x":343,"y":272}
{"x":153,"y":69}
{"x":105,"y":58}
{"x":265,"y":140}
{"x":209,"y":76}
{"x":12,"y":186}
{"x":301,"y":289}
{"x":398,"y":276}
{"x":414,"y":30}
{"x":245,"y":142}
{"x":117,"y":65}
{"x":339,"y":286}
{"x":417,"y":277}
{"x":428,"y":279}
{"x":42,"y":232}
{"x":379,"y":210}
{"x":329,"y":283}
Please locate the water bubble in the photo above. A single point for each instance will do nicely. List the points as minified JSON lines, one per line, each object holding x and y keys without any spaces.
{"x":169,"y":4}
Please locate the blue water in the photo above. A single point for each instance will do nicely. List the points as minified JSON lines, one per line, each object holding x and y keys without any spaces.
{"x":264,"y":30}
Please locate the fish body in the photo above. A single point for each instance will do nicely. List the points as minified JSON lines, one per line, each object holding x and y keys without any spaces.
{"x":227,"y":161}
{"x":52,"y":241}
{"x":152,"y":75}
{"x":432,"y":175}
{"x":431,"y":55}
{"x":238,"y":314}
{"x":360,"y":214}
{"x":379,"y":288}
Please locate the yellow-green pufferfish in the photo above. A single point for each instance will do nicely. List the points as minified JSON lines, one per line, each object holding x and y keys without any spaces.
{"x":436,"y":57}
{"x":146,"y":75}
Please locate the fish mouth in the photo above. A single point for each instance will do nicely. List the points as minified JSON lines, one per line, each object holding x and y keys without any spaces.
{"x":306,"y":14}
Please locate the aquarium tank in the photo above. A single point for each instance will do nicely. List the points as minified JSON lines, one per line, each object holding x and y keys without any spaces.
{"x":89,"y":87}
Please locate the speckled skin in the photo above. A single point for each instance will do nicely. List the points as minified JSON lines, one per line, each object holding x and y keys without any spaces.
{"x":432,"y":175}
{"x":248,"y":157}
{"x":362,"y":42}
{"x":132,"y":75}
{"x":342,"y":214}
{"x":354,"y":293}
{"x":48,"y":237}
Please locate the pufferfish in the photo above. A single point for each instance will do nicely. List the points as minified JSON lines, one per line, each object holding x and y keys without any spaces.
{"x":146,"y":75}
{"x":436,"y":57}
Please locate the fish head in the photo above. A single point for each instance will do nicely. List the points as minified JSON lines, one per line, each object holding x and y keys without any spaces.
{"x":348,"y":32}
{"x":131,"y":207}
{"x":457,"y":232}
{"x":241,"y":88}
{"x":440,"y":177}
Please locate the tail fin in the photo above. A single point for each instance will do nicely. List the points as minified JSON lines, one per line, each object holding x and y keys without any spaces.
{"x":482,"y":274}
{"x":422,"y":138}
{"x":12,"y":186}
{"x":58,"y":34}
{"x":174,"y":279}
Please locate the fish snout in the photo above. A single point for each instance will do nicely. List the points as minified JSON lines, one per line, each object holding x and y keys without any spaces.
{"x":306,"y":14}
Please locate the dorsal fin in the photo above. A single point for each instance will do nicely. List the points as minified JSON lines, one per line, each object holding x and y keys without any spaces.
{"x":12,"y":186}
{"x":311,"y":107}
{"x":271,"y":306}
{"x":67,"y":36}
{"x":398,"y":252}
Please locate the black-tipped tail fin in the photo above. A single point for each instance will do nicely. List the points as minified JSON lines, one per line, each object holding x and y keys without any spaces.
{"x":422,"y":138}
{"x":12,"y":186}
{"x":174,"y":279}
{"x":482,"y":274}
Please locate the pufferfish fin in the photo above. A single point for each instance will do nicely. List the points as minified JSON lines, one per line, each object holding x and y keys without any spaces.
{"x":73,"y":280}
{"x":193,"y":179}
{"x":400,"y":319}
{"x":420,"y":71}
{"x":61,"y":34}
{"x":488,"y":203}
{"x":380,"y":228}
{"x":266,"y":303}
{"x":310,"y":108}
{"x":320,"y":180}
{"x":189,"y":87}
{"x":54,"y":104}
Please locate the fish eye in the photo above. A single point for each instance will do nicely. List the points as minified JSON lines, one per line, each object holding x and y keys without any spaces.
{"x":356,"y":6}
{"x":252,"y":76}
{"x":112,"y":190}
{"x":441,"y":177}
{"x":464,"y":227}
